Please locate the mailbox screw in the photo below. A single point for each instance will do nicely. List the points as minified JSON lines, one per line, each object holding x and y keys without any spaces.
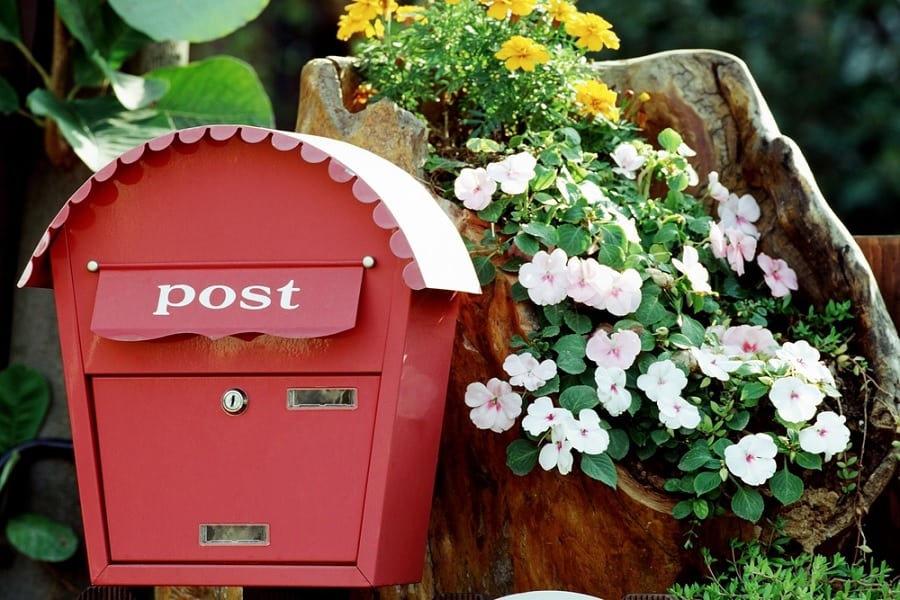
{"x":93,"y":266}
{"x":368,"y":261}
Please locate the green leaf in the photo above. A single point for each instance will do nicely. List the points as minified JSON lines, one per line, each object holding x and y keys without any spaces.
{"x":41,"y":538}
{"x":700,"y":508}
{"x":738,"y":420}
{"x":494,"y":210}
{"x":600,"y":467}
{"x":545,"y":233}
{"x":8,"y":467}
{"x":670,"y":140}
{"x":611,"y":256}
{"x":706,"y":481}
{"x":9,"y":21}
{"x":683,"y":509}
{"x":9,"y":99}
{"x":24,"y":401}
{"x":786,"y":486}
{"x":527,"y":244}
{"x":521,"y":456}
{"x":693,"y":330}
{"x":808,"y":460}
{"x":753,"y":391}
{"x":694,"y":458}
{"x":578,"y":323}
{"x":573,"y":240}
{"x":618,"y":444}
{"x":747,"y":504}
{"x":98,"y":129}
{"x":82,"y":18}
{"x":195,"y":21}
{"x":578,"y":397}
{"x":570,"y":354}
{"x":484,"y":269}
{"x":133,"y":91}
{"x":483,"y":145}
{"x":220,"y":89}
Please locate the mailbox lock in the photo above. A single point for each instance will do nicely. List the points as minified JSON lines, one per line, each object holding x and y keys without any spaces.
{"x":234,"y":401}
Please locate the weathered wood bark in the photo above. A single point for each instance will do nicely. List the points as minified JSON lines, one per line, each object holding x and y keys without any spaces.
{"x":496,"y":533}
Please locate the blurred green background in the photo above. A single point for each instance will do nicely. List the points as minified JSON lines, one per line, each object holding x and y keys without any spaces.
{"x":829,"y":69}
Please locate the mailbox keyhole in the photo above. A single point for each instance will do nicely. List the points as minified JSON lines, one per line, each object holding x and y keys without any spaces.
{"x":234,"y":401}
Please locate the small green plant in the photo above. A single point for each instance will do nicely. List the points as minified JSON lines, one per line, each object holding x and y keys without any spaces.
{"x":756,"y":571}
{"x":24,"y":401}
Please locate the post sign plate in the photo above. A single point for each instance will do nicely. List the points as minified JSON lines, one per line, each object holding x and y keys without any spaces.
{"x":135,"y":302}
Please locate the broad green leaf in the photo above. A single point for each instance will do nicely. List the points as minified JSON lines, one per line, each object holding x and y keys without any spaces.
{"x":670,"y":140}
{"x":521,"y":456}
{"x":9,"y":99}
{"x":808,"y":460}
{"x":753,"y":391}
{"x":600,"y":467}
{"x":194,"y":21}
{"x":9,"y":21}
{"x":747,"y":504}
{"x":578,"y":397}
{"x":132,"y":91}
{"x":570,"y":354}
{"x":98,"y":129}
{"x":41,"y":538}
{"x":24,"y":401}
{"x":618,"y":444}
{"x":683,"y":509}
{"x":527,"y":244}
{"x":545,"y":233}
{"x":738,"y":420}
{"x":700,"y":508}
{"x":216,"y":90}
{"x":573,"y":240}
{"x":694,"y":458}
{"x":706,"y":481}
{"x":494,"y":210}
{"x":83,"y":19}
{"x":693,"y":330}
{"x":578,"y":323}
{"x":484,"y":269}
{"x":786,"y":486}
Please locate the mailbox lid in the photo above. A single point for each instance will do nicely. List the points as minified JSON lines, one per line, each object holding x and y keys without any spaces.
{"x":172,"y":461}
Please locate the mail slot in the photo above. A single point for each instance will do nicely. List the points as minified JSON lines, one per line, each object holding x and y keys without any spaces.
{"x":256,"y":328}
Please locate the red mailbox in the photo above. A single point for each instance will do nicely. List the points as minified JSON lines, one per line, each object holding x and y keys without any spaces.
{"x":256,"y":330}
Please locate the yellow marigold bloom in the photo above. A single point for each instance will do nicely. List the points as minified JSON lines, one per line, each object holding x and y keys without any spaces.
{"x":350,"y":24}
{"x":593,"y":32}
{"x":561,"y":10}
{"x":595,"y":98}
{"x":372,"y":9}
{"x":409,"y":13}
{"x":499,"y":9}
{"x":522,"y":53}
{"x":451,"y":1}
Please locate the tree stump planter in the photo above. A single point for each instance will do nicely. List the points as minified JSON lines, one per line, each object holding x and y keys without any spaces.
{"x":495,"y":533}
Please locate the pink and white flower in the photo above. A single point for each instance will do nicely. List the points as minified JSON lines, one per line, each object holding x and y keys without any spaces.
{"x":624,"y":297}
{"x":663,"y":380}
{"x":749,"y":341}
{"x":794,"y":399}
{"x":494,"y":406}
{"x":696,"y":273}
{"x":588,"y":280}
{"x":628,"y":160}
{"x":740,"y":247}
{"x":475,"y":188}
{"x":586,"y":434}
{"x":546,"y":277}
{"x":557,"y":453}
{"x":617,"y":350}
{"x":780,"y":278}
{"x":524,"y":370}
{"x":513,"y":172}
{"x":828,"y":435}
{"x":542,"y":415}
{"x":713,"y":362}
{"x":717,"y":191}
{"x":740,"y":213}
{"x":611,"y":390}
{"x":752,"y":459}
{"x":675,"y":412}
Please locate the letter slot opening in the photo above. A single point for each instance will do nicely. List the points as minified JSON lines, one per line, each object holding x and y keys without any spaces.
{"x":229,"y":534}
{"x":302,"y":398}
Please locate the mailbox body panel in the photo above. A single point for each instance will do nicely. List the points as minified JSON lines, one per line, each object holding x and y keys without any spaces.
{"x":173,"y":460}
{"x":157,"y":456}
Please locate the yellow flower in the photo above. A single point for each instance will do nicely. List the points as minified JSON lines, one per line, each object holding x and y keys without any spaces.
{"x":595,"y":98}
{"x":350,"y":24}
{"x":522,"y":53}
{"x":451,"y":1}
{"x":410,"y":13}
{"x":561,"y":11}
{"x":593,"y":32}
{"x":499,"y":9}
{"x":372,"y":9}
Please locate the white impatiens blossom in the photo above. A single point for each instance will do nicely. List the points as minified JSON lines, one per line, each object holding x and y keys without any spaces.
{"x":696,"y":273}
{"x":663,"y":380}
{"x":524,"y":370}
{"x":713,"y":362}
{"x":617,"y":350}
{"x":676,"y":412}
{"x":794,"y":399}
{"x":586,"y":434}
{"x":752,"y":459}
{"x":542,"y":415}
{"x":494,"y":405}
{"x":611,"y":390}
{"x":558,"y":453}
{"x":475,"y":188}
{"x":513,"y":172}
{"x":628,"y":159}
{"x":828,"y":435}
{"x":546,"y":277}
